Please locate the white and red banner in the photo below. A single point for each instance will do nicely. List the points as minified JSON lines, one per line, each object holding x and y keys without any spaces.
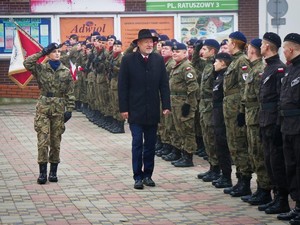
{"x":23,"y":47}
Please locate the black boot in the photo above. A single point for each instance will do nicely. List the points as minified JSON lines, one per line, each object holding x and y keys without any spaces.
{"x":201,"y":175}
{"x":213,"y":175}
{"x":200,"y":145}
{"x":174,"y":155}
{"x":280,"y":205}
{"x":78,"y":108}
{"x":76,"y":105}
{"x":53,"y":172}
{"x":295,"y":221}
{"x":119,"y":128}
{"x":237,"y":185}
{"x":262,"y":196}
{"x":158,"y":144}
{"x":166,"y":149}
{"x":84,"y":108}
{"x":293,"y":213}
{"x":187,"y":160}
{"x":243,"y":189}
{"x":43,"y":173}
{"x":223,"y":182}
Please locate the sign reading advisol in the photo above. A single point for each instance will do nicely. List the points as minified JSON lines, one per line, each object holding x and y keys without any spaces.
{"x":188,"y":5}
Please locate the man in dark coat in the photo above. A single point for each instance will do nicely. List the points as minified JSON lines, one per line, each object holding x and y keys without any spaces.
{"x":143,"y":84}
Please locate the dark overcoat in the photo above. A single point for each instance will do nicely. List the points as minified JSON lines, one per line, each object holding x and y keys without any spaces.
{"x":142,"y":87}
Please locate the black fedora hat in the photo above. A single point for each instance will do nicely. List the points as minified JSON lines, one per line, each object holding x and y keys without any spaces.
{"x":145,"y":33}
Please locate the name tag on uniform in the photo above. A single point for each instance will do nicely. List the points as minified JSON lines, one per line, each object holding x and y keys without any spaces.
{"x":295,"y":82}
{"x":216,"y":88}
{"x":266,"y":79}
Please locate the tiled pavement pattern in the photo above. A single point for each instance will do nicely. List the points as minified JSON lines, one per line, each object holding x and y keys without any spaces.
{"x":95,"y":182}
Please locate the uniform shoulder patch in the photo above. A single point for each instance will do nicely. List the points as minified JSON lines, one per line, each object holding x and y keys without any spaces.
{"x":280,"y":70}
{"x":190,"y":75}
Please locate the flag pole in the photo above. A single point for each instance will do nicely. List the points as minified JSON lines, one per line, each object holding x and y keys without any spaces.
{"x":19,"y":27}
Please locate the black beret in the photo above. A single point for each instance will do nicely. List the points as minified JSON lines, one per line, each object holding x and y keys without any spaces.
{"x":74,"y":36}
{"x":163,"y":37}
{"x":237,"y":35}
{"x":111,"y":37}
{"x":273,"y":38}
{"x":256,"y":43}
{"x":192,"y":41}
{"x":168,"y":43}
{"x":212,"y":43}
{"x":95,"y":33}
{"x":293,"y":37}
{"x":101,"y":38}
{"x":179,"y":46}
{"x":224,"y":42}
{"x":117,"y":42}
{"x":90,"y":46}
{"x":224,"y":56}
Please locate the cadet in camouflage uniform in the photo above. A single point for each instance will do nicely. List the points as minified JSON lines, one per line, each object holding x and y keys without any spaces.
{"x":114,"y":70}
{"x":234,"y":85}
{"x":53,"y":109}
{"x":209,"y":50}
{"x":183,"y":87}
{"x":255,"y":148}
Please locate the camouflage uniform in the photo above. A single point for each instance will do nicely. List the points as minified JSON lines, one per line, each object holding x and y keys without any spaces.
{"x":251,"y":101}
{"x":233,"y":91}
{"x":49,"y":118}
{"x":183,"y":87}
{"x":205,"y":109}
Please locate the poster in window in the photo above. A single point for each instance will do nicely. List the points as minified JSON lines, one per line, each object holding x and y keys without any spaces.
{"x":207,"y":26}
{"x":33,"y":26}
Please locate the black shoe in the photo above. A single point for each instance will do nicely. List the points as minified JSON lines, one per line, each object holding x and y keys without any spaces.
{"x":246,"y":198}
{"x":138,"y":184}
{"x":289,"y":215}
{"x":201,"y":175}
{"x":243,"y":189}
{"x":281,"y":205}
{"x":173,"y":156}
{"x":262,"y":196}
{"x":211,"y":176}
{"x":53,"y":172}
{"x":223,"y":182}
{"x":265,"y":206}
{"x":295,"y":221}
{"x":187,"y":160}
{"x":149,"y":182}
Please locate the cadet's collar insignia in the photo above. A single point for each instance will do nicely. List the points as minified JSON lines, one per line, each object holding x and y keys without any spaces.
{"x":295,"y":82}
{"x":244,"y":67}
{"x":280,"y":70}
{"x":189,"y":75}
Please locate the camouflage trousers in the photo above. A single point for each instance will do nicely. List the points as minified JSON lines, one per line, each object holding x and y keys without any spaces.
{"x":49,"y":125}
{"x":115,"y":105}
{"x":236,"y":136}
{"x":256,"y":155}
{"x":208,"y":137}
{"x":185,"y":128}
{"x":91,"y":96}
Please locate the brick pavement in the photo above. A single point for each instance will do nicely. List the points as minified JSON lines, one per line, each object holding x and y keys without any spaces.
{"x":96,"y":186}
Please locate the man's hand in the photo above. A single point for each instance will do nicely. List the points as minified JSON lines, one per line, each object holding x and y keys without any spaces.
{"x":166,"y":112}
{"x":124,"y":115}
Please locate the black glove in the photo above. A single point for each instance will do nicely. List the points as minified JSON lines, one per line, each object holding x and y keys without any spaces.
{"x":277,"y":136}
{"x":47,"y":50}
{"x":67,"y":116}
{"x":185,"y":110}
{"x":241,"y":119}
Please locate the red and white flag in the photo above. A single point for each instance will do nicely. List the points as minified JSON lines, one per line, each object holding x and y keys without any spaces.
{"x":23,"y":47}
{"x":73,"y":70}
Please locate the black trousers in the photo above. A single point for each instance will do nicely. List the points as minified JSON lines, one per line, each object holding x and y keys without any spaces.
{"x":291,"y":150}
{"x":220,"y":140}
{"x":274,"y":160}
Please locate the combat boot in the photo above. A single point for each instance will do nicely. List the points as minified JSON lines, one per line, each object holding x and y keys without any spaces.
{"x":173,"y":156}
{"x":213,"y":175}
{"x":78,"y":109}
{"x":201,"y":175}
{"x":84,"y":108}
{"x":247,"y":197}
{"x":112,"y":127}
{"x":280,"y":205}
{"x":120,"y":128}
{"x":200,"y":145}
{"x":223,"y":182}
{"x":243,"y":189}
{"x":158,"y":144}
{"x":53,"y":172}
{"x":165,"y":150}
{"x":237,"y":185}
{"x":262,"y":196}
{"x":295,"y":221}
{"x":42,"y":179}
{"x":187,"y":160}
{"x":293,"y":213}
{"x":76,"y":105}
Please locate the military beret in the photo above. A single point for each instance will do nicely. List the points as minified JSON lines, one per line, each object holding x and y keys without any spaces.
{"x":95,"y":33}
{"x":293,"y":37}
{"x":82,"y":42}
{"x":88,"y":38}
{"x":273,"y":38}
{"x":100,"y":38}
{"x":74,"y":36}
{"x":163,"y":37}
{"x":111,"y":37}
{"x":168,"y":43}
{"x":67,"y":43}
{"x":224,"y":42}
{"x":90,"y":46}
{"x":117,"y":42}
{"x":153,"y":31}
{"x":224,"y":56}
{"x":256,"y":43}
{"x":192,"y":41}
{"x":212,"y":43}
{"x":178,"y":46}
{"x":237,"y":35}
